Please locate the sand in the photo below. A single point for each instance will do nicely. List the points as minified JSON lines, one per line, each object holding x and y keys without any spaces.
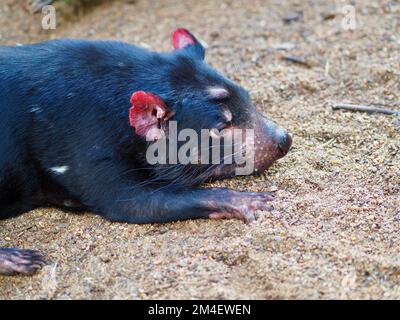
{"x":335,"y":230}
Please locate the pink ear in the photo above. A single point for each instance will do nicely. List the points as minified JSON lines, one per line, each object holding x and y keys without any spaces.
{"x":148,"y":112}
{"x":182,"y":38}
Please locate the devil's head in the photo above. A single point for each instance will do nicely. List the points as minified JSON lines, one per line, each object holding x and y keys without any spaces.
{"x":199,"y":98}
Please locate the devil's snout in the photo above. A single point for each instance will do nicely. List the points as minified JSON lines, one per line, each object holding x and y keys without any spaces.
{"x":272,"y":143}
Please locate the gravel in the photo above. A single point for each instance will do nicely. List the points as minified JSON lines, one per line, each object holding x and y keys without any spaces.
{"x":335,"y":230}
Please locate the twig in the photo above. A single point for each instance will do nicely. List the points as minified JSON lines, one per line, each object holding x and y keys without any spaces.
{"x":293,"y":16}
{"x":360,"y":108}
{"x":331,"y":141}
{"x":296,"y":59}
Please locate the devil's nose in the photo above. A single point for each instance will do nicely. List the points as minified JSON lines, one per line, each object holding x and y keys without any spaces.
{"x":284,"y":143}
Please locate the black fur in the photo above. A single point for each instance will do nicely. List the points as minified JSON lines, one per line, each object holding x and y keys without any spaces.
{"x":65,"y":103}
{"x":66,"y":139}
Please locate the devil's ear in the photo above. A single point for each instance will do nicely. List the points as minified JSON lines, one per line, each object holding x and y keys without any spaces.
{"x":182,"y":39}
{"x":149,"y":115}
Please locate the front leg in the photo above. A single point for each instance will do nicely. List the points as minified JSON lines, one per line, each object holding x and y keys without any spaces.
{"x":164,"y":204}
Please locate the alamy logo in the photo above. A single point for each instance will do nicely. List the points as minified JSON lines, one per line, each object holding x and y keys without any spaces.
{"x":349,"y":17}
{"x":49,"y":20}
{"x":228,"y":146}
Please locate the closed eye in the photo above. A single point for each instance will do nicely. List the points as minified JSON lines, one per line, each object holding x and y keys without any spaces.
{"x":223,"y":125}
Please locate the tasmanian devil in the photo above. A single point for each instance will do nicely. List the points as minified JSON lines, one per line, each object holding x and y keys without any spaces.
{"x":75,"y":120}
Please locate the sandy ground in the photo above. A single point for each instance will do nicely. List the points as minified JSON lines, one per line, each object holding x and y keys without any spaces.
{"x":335,"y":232}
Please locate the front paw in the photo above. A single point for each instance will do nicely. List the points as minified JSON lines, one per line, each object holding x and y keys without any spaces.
{"x":19,"y":261}
{"x":242,"y":205}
